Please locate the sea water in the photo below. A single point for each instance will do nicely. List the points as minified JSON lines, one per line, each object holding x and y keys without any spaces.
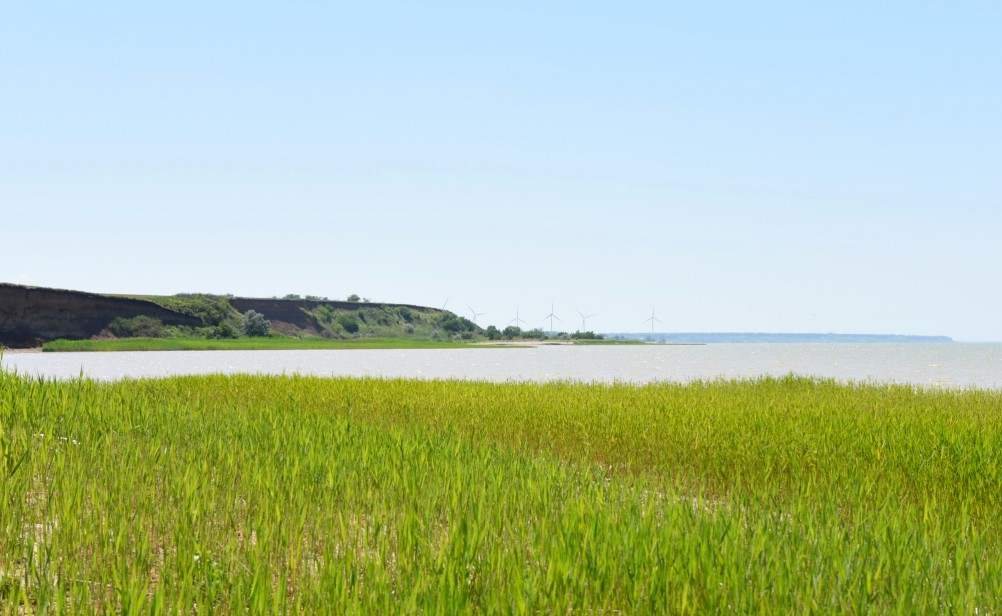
{"x":958,"y":365}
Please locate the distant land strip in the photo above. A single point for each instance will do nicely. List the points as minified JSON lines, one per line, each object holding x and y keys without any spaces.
{"x":731,"y":337}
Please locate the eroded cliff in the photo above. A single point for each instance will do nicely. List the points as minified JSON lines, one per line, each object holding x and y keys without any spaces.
{"x":32,"y":315}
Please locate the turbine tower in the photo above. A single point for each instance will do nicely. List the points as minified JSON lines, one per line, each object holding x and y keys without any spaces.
{"x":551,"y":316}
{"x":517,"y":319}
{"x":475,"y":313}
{"x":584,"y":320}
{"x":653,"y":320}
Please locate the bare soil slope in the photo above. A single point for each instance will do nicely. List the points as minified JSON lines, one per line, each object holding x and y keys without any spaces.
{"x":32,"y":315}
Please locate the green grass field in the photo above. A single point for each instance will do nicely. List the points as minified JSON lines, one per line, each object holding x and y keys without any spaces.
{"x":254,"y":494}
{"x":245,"y":344}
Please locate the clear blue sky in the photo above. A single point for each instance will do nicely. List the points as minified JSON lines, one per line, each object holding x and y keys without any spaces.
{"x":767,"y":166}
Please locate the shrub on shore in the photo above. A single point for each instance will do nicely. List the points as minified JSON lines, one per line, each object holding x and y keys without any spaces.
{"x":254,"y":324}
{"x":137,"y":327}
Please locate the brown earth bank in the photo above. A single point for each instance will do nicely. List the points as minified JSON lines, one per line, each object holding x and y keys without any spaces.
{"x":30,"y":316}
{"x":289,"y":315}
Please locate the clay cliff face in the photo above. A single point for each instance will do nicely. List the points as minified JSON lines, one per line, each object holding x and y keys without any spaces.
{"x":280,"y":310}
{"x":294,"y":312}
{"x":32,"y":315}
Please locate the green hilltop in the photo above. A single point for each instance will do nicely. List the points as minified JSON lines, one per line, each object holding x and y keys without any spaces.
{"x":32,"y":316}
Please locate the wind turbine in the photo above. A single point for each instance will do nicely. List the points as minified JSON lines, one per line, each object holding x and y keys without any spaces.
{"x":551,"y":316}
{"x":475,"y":313}
{"x":446,"y":302}
{"x":584,"y":319}
{"x":653,"y":320}
{"x":517,"y":319}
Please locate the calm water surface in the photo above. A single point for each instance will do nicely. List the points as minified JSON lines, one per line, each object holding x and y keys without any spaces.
{"x":937,"y":365}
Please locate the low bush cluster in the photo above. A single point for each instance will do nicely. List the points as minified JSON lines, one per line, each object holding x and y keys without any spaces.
{"x":137,"y":327}
{"x":254,"y":324}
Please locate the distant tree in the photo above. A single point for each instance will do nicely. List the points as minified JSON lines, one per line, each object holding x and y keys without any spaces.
{"x":449,"y":322}
{"x":137,"y":327}
{"x":211,"y":309}
{"x":316,"y":298}
{"x":493,"y":333}
{"x":534,"y":334}
{"x":292,"y":296}
{"x":224,"y":330}
{"x":511,"y":332}
{"x":255,"y":324}
{"x":353,"y":298}
{"x":453,"y":323}
{"x":348,"y":322}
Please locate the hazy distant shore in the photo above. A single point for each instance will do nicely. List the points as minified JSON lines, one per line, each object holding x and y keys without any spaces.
{"x":759,"y":337}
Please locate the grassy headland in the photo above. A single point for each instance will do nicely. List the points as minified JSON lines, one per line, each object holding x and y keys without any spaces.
{"x":225,"y":317}
{"x":265,"y":494}
{"x":197,"y":320}
{"x":246,"y":344}
{"x":285,"y":343}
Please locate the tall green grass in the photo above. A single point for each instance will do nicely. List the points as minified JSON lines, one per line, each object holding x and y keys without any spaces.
{"x":234,"y":494}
